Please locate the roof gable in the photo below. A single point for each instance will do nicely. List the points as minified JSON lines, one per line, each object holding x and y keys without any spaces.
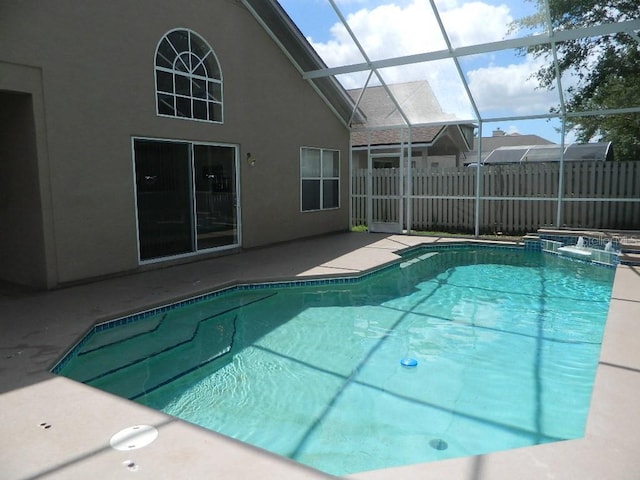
{"x":275,"y":20}
{"x":513,"y":140}
{"x":415,"y":103}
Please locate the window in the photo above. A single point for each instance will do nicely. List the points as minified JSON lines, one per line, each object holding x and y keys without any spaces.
{"x":188,"y":78}
{"x":186,"y":197}
{"x":319,"y":179}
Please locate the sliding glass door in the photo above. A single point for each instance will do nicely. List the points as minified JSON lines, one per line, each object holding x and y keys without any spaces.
{"x":216,"y":205}
{"x":164,"y":198}
{"x":187,"y":197}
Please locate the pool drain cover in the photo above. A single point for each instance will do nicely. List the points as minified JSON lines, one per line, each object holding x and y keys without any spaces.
{"x":134,"y":437}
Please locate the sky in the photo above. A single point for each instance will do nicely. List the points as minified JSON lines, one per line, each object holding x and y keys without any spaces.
{"x":501,"y":83}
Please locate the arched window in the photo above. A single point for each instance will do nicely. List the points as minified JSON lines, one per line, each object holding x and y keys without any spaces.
{"x":188,"y":78}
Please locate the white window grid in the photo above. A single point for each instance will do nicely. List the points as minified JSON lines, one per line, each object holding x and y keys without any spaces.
{"x":203,"y":95}
{"x":321,"y":177}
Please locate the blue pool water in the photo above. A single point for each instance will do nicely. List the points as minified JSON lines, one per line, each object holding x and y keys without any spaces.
{"x":506,"y":344}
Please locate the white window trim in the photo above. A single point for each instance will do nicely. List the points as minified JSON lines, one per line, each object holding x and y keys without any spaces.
{"x":219,"y":81}
{"x":203,"y":251}
{"x":321,"y":178}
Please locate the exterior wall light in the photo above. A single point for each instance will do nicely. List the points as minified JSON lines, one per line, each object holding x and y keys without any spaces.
{"x":251,"y":160}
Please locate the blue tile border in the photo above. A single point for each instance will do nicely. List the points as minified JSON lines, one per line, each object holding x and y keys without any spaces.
{"x":458,"y":245}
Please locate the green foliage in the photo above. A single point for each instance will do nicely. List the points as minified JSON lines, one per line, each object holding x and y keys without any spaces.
{"x":605,"y":70}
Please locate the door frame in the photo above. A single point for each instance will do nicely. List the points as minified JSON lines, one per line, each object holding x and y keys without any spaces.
{"x":237,"y":203}
{"x":386,"y":227}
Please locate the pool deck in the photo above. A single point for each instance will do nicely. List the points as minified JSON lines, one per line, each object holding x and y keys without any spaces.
{"x":54,"y":428}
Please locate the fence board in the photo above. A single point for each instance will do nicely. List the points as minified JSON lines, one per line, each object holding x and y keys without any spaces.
{"x":594,"y":179}
{"x":510,"y":186}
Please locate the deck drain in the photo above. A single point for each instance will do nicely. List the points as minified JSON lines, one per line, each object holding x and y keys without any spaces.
{"x":134,"y":437}
{"x":439,"y":444}
{"x":130,"y":465}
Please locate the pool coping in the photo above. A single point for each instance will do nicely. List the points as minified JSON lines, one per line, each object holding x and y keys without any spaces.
{"x":76,"y":445}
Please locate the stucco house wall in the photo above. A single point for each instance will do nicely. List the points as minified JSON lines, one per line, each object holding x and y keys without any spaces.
{"x":85,"y":71}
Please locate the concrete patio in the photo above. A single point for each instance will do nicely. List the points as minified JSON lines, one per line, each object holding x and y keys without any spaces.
{"x":52,"y":427}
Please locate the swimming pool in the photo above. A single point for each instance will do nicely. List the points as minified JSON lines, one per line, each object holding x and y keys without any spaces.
{"x":507,"y":343}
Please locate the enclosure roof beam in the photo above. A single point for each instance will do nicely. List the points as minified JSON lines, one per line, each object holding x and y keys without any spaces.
{"x":450,"y":48}
{"x":353,"y":36}
{"x":515,"y":43}
{"x":586,"y":113}
{"x":554,"y":51}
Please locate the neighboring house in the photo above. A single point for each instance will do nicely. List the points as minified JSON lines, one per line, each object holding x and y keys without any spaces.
{"x":384,"y":132}
{"x":576,"y":152}
{"x":499,"y":139}
{"x":516,"y":148}
{"x":133,"y":134}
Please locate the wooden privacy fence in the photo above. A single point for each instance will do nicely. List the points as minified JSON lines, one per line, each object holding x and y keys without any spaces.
{"x":515,"y":198}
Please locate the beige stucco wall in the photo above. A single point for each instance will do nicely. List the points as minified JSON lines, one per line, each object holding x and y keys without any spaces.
{"x":96,"y":63}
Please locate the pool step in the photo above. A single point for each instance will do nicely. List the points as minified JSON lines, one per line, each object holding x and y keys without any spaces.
{"x":126,"y":348}
{"x":629,"y":246}
{"x":630,"y":259}
{"x":209,"y":343}
{"x":630,"y":251}
{"x":418,"y":259}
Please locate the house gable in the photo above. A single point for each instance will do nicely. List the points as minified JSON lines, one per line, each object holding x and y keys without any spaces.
{"x":97,"y":75}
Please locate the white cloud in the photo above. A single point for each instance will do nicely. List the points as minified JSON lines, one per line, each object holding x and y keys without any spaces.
{"x":409,"y":27}
{"x":476,"y":22}
{"x":392,"y":30}
{"x":510,"y":86}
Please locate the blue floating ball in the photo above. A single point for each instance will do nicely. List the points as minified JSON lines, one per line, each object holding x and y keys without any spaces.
{"x":409,"y":362}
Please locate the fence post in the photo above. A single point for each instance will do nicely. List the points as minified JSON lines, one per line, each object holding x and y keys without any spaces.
{"x":561,"y":176}
{"x":478,"y":183}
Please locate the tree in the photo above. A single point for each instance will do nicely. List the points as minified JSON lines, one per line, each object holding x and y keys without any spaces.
{"x":606,"y":69}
